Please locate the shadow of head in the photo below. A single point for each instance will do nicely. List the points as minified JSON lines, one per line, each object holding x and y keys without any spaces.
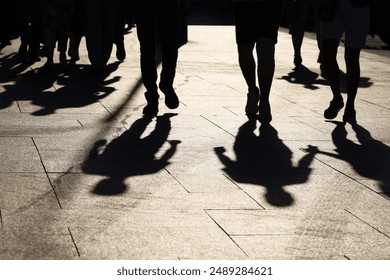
{"x":279,"y":197}
{"x":109,"y":187}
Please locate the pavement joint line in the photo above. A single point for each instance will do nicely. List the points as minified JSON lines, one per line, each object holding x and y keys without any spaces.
{"x":1,"y":219}
{"x":217,"y":125}
{"x":235,"y":183}
{"x":46,"y":173}
{"x":349,"y":212}
{"x":74,"y":243}
{"x":226,"y":233}
{"x":227,"y":109}
{"x":170,"y":174}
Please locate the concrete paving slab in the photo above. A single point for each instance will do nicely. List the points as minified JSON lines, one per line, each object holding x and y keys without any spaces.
{"x":26,"y":190}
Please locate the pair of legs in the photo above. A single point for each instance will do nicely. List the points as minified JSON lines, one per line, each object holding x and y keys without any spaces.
{"x":158,"y":19}
{"x":100,"y":29}
{"x":354,"y":23}
{"x":332,"y":69}
{"x":297,"y":10}
{"x":257,"y":24}
{"x":56,"y":18}
{"x":263,"y":72}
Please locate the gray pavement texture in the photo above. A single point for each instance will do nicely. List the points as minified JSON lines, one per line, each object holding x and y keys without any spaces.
{"x":83,"y":175}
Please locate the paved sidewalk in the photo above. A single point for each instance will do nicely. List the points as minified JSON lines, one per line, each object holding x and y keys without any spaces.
{"x":84,"y":176}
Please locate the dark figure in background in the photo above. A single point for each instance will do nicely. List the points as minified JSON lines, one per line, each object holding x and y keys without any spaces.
{"x":29,"y":25}
{"x":352,"y":18}
{"x":56,"y":20}
{"x":7,"y":8}
{"x":100,"y":31}
{"x":151,"y":15}
{"x":257,"y":24}
{"x":124,"y":8}
{"x":77,"y":30}
{"x":298,"y":11}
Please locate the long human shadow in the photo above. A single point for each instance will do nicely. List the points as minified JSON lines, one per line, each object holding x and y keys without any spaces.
{"x":61,"y":88}
{"x":370,"y":158}
{"x":304,"y":76}
{"x":77,"y":88}
{"x":266,"y":161}
{"x":312,"y":80}
{"x":130,"y":155}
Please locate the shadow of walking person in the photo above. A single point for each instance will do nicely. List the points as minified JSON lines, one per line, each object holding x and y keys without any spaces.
{"x":304,"y":76}
{"x":265,"y":160}
{"x":76,"y":89}
{"x":370,"y":158}
{"x":130,"y":155}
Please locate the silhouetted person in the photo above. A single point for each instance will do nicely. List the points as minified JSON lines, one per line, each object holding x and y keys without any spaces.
{"x":298,"y":11}
{"x":56,"y":20}
{"x":124,"y":8}
{"x":7,"y":9}
{"x":257,"y":24}
{"x":352,"y":18}
{"x":265,"y":160}
{"x":29,"y":26}
{"x":100,"y":31}
{"x":154,"y":16}
{"x":77,"y":30}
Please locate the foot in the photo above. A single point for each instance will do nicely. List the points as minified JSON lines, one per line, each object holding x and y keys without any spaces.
{"x":265,"y":112}
{"x":171,"y":99}
{"x":151,"y":108}
{"x":120,"y":51}
{"x":334,"y":108}
{"x":63,"y":60}
{"x":252,"y":102}
{"x":349,"y":116}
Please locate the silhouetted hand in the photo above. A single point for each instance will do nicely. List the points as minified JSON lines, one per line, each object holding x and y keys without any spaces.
{"x":311,"y":149}
{"x":219,"y":150}
{"x":174,"y":142}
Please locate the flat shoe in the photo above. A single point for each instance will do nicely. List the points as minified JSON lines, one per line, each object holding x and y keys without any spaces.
{"x":334,"y":108}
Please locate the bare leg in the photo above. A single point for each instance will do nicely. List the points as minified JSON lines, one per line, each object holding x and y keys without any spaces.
{"x":248,"y":68}
{"x":329,"y":50}
{"x":266,"y":67}
{"x":351,"y":57}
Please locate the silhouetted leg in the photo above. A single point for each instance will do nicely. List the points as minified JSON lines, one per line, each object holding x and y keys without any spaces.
{"x":247,"y":65}
{"x":266,"y":68}
{"x":93,"y":33}
{"x":329,"y":52}
{"x":120,"y":29}
{"x":146,"y":35}
{"x":353,"y":75}
{"x":248,"y":68}
{"x":109,"y":15}
{"x":169,"y":43}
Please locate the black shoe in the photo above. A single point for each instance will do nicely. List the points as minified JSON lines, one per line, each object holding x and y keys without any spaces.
{"x":265,"y":112}
{"x":171,"y":99}
{"x":120,"y":51}
{"x":151,"y":108}
{"x":252,"y":101}
{"x":349,"y":116}
{"x":334,"y":108}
